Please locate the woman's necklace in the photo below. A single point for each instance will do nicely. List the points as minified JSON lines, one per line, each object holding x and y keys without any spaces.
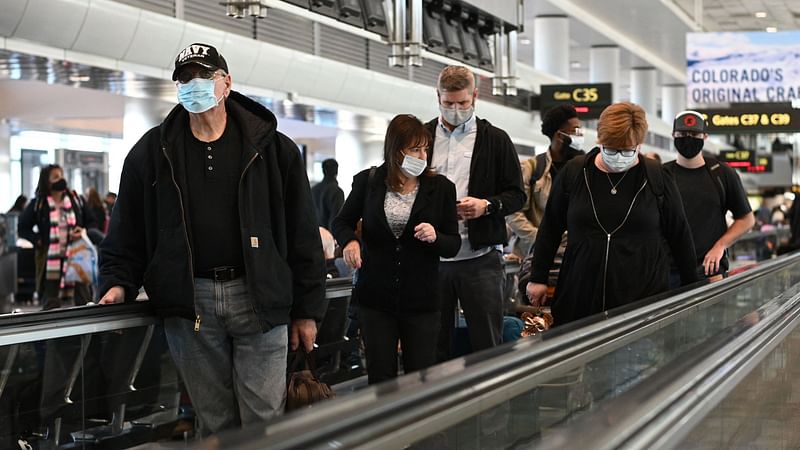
{"x":614,"y":185}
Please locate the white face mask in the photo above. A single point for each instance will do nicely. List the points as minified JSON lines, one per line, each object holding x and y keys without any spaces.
{"x":413,"y":167}
{"x":455,"y":116}
{"x":576,"y":141}
{"x":618,"y":162}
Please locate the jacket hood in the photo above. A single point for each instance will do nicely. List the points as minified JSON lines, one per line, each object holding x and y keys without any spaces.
{"x":257,"y":122}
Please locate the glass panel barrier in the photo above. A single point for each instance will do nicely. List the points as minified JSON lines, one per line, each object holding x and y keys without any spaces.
{"x":116,"y":389}
{"x":524,"y":419}
{"x":761,"y":411}
{"x":517,"y":395}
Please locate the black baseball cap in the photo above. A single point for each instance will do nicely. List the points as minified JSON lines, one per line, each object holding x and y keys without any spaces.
{"x":201,"y":54}
{"x":689,"y":121}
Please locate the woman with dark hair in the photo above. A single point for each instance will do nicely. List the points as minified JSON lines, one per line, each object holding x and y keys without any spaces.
{"x":409,"y":222}
{"x":96,"y":210}
{"x":59,"y":217}
{"x":624,"y":218}
{"x":19,"y":205}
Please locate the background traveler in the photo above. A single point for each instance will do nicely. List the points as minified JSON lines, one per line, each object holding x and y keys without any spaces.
{"x":709,"y":190}
{"x":620,"y":210}
{"x":59,"y":219}
{"x":19,"y":205}
{"x":328,"y":196}
{"x":481,"y":161}
{"x":561,"y":125}
{"x":212,"y":218}
{"x":96,"y":209}
{"x":409,"y":221}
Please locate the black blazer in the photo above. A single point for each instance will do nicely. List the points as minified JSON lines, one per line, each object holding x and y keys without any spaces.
{"x":399,"y":275}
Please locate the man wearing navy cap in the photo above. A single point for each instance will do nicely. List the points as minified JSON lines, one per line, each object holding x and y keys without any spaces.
{"x":709,"y":190}
{"x":212,"y":219}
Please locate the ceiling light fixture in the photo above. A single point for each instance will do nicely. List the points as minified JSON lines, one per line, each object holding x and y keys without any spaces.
{"x":240,"y":9}
{"x":575,"y":64}
{"x":761,"y":14}
{"x":772,"y":30}
{"x":524,"y":41}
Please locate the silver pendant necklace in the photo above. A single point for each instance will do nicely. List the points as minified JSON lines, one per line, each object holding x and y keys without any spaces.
{"x":614,"y":185}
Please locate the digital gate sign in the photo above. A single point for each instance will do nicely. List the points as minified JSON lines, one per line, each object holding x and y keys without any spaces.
{"x":589,"y":100}
{"x":758,"y":118}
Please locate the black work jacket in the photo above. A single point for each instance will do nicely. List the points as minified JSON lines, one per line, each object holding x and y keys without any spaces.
{"x":494,"y":175}
{"x":399,"y":274}
{"x":148,"y":241}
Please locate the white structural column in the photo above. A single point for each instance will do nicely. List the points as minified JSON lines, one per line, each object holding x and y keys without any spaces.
{"x":140,"y":116}
{"x":604,"y":67}
{"x":12,"y":190}
{"x":673,"y":101}
{"x":551,"y":45}
{"x":355,"y":152}
{"x":643,"y":89}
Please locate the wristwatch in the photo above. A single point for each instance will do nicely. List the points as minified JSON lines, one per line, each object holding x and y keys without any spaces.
{"x":491,"y":208}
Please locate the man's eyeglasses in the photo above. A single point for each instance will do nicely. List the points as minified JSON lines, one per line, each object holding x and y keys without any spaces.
{"x":613,"y":151}
{"x":694,"y":134}
{"x":573,"y":132}
{"x":187,"y":76}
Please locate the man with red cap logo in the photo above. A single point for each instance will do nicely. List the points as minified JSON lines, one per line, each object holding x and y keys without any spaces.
{"x":709,"y":190}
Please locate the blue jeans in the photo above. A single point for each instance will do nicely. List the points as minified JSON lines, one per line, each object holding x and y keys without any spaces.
{"x":235,"y":373}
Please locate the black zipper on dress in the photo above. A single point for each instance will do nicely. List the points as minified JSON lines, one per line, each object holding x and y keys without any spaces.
{"x":608,"y":235}
{"x":185,"y":233}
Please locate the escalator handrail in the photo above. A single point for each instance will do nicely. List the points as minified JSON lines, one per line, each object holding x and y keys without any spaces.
{"x":660,"y":413}
{"x":377,"y":411}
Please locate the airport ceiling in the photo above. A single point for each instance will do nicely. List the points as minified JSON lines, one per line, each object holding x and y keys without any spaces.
{"x":646,"y":23}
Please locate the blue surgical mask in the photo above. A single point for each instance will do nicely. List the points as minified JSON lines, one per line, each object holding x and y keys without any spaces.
{"x":618,"y":162}
{"x":197,"y":96}
{"x":455,"y":116}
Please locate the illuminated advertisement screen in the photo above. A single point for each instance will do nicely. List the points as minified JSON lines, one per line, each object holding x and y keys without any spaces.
{"x":747,"y":67}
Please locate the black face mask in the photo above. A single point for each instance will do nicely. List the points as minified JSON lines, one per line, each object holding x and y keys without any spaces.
{"x":688,"y":146}
{"x":60,"y":185}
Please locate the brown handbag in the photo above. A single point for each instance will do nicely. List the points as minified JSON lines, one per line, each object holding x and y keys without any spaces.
{"x":303,"y":387}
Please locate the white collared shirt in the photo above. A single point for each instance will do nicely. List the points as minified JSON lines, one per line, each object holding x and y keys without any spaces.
{"x":452,"y":156}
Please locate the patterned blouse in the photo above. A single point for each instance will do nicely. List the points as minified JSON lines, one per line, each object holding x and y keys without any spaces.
{"x":398,"y":208}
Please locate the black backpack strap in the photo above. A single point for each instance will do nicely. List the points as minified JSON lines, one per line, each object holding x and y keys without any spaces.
{"x":714,"y":169}
{"x":541,"y":164}
{"x":654,"y":173}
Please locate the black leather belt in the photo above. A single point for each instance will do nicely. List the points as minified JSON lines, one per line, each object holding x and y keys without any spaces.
{"x":221,"y":273}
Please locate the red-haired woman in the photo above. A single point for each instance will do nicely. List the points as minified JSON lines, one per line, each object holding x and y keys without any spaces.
{"x":409,"y":222}
{"x":624,"y":218}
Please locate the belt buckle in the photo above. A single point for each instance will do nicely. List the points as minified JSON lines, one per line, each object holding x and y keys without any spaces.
{"x":225,"y":274}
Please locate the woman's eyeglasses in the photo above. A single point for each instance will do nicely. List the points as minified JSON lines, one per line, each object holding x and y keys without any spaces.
{"x":613,"y":151}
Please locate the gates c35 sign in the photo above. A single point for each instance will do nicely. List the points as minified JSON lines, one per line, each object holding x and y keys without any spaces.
{"x":755,"y":119}
{"x":589,"y":100}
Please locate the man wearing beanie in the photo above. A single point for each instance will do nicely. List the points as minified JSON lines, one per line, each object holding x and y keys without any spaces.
{"x":709,"y":190}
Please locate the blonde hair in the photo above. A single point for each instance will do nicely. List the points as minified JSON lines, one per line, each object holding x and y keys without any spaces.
{"x":622,"y":125}
{"x":455,"y":78}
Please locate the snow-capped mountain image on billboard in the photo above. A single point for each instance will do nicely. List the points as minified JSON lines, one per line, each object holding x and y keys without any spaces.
{"x":751,"y":67}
